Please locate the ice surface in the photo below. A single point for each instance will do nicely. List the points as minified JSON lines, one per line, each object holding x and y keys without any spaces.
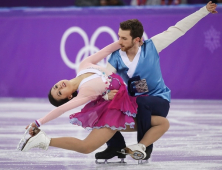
{"x":193,"y":142}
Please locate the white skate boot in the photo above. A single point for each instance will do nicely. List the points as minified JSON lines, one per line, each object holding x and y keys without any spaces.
{"x":40,"y":141}
{"x":136,"y":151}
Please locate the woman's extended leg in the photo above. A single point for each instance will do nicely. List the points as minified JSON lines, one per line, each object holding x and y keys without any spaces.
{"x":93,"y":141}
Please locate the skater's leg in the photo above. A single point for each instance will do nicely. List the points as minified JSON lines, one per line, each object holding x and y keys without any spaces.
{"x":159,"y":126}
{"x":143,"y":119}
{"x":115,"y":144}
{"x":93,"y":141}
{"x":117,"y":141}
{"x":148,"y":106}
{"x":159,"y":106}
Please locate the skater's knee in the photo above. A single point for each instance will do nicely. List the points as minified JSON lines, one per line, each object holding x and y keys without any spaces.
{"x":87,"y":148}
{"x":86,"y":151}
{"x":166,"y":124}
{"x":160,"y":121}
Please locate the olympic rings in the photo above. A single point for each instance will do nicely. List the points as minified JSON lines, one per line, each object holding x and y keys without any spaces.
{"x":89,"y":47}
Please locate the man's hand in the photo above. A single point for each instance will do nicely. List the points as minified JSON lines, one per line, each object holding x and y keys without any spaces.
{"x":211,"y":7}
{"x":111,"y":94}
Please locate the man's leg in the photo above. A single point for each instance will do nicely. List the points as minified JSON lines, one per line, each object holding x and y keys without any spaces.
{"x":143,"y":119}
{"x":117,"y":141}
{"x":114,"y":146}
{"x":147,"y":106}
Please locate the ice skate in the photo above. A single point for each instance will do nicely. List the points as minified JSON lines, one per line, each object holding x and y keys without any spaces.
{"x":23,"y":140}
{"x":40,"y":140}
{"x":109,"y":153}
{"x":146,"y":159}
{"x":136,"y":151}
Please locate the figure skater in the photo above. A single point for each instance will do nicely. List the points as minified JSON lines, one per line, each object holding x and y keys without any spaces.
{"x":133,"y":62}
{"x":103,"y":117}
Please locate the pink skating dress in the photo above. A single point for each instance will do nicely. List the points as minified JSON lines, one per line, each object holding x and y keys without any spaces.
{"x":98,"y":112}
{"x":115,"y":114}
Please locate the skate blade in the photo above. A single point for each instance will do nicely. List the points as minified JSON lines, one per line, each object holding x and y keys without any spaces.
{"x":143,"y":161}
{"x":23,"y":139}
{"x":21,"y":144}
{"x":106,"y":162}
{"x":134,"y":154}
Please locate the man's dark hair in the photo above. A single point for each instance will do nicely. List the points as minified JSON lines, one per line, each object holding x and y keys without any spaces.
{"x":135,"y":27}
{"x":59,"y":102}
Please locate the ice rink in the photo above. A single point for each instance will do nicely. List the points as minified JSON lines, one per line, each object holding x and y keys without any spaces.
{"x":193,"y":142}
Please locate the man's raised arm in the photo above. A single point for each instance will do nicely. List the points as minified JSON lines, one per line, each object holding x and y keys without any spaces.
{"x":167,"y":37}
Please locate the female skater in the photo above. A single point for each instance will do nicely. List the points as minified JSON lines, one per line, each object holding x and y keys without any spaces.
{"x":104,"y":117}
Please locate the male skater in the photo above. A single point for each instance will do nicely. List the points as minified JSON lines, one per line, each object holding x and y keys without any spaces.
{"x":140,"y":69}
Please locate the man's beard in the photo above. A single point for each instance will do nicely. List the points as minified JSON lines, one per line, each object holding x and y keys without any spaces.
{"x":127,"y":48}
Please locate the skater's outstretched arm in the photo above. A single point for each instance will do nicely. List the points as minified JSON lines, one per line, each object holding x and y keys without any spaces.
{"x":79,"y":100}
{"x":101,"y":54}
{"x":85,"y":95}
{"x":167,"y":37}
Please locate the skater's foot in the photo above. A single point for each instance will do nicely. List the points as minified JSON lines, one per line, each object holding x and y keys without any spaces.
{"x":109,"y":153}
{"x":40,"y":141}
{"x":148,"y":153}
{"x":136,"y":151}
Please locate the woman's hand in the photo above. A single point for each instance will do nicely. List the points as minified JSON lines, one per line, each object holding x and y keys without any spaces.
{"x":211,"y":7}
{"x":112,"y":94}
{"x":31,"y":129}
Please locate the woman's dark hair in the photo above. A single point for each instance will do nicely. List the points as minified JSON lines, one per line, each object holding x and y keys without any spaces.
{"x":59,"y":102}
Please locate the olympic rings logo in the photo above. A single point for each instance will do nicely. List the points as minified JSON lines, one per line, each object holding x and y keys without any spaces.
{"x":89,"y":47}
